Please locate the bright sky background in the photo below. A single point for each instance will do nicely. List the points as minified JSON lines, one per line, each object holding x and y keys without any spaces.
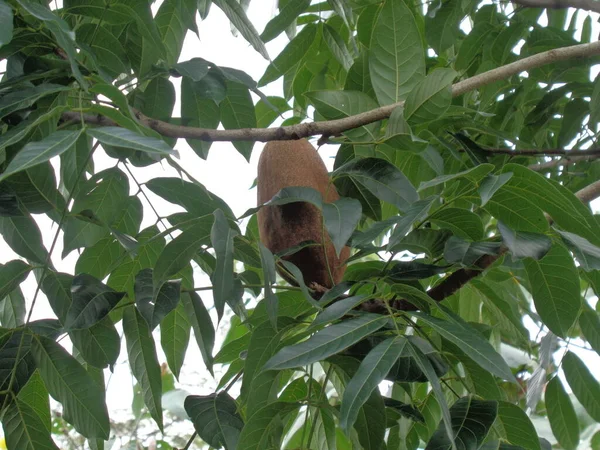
{"x":225,"y":173}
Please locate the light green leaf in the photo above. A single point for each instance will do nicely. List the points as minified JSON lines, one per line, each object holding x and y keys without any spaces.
{"x":6,"y":23}
{"x":326,"y":342}
{"x":490,"y":184}
{"x":12,"y":309}
{"x":221,"y":237}
{"x":237,"y":111}
{"x":262,"y":429}
{"x":122,"y":137}
{"x":397,"y":54}
{"x":337,"y":46}
{"x":590,"y":327}
{"x":174,"y":337}
{"x":430,"y":98}
{"x":516,"y":426}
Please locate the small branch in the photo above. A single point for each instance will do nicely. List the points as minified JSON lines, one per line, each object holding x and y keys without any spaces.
{"x":548,"y":152}
{"x":336,"y":127}
{"x":588,"y":5}
{"x":560,"y":162}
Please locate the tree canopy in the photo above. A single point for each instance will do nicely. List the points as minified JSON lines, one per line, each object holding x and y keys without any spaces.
{"x":467,"y":158}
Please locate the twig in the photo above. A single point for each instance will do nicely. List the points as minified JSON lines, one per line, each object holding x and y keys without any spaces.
{"x":566,"y":161}
{"x":338,"y":126}
{"x":588,"y":5}
{"x":544,"y":151}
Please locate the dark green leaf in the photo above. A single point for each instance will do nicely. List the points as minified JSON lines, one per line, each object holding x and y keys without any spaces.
{"x":12,"y":274}
{"x":467,"y":253}
{"x":522,"y":244}
{"x":99,"y":344}
{"x":221,"y":237}
{"x":6,"y":23}
{"x":369,"y":375}
{"x":555,"y":289}
{"x":122,"y":137}
{"x":237,"y":111}
{"x":12,"y":309}
{"x":561,"y":415}
{"x":584,"y":385}
{"x":155,"y":302}
{"x":143,"y":361}
{"x":216,"y":419}
{"x":92,"y":301}
{"x":204,"y":331}
{"x":341,"y":218}
{"x":472,"y":420}
{"x":264,"y":428}
{"x":490,"y":184}
{"x":68,"y":382}
{"x":38,"y":152}
{"x":23,"y":428}
{"x":290,"y":11}
{"x":383,"y":179}
{"x":517,"y":427}
{"x":175,"y":337}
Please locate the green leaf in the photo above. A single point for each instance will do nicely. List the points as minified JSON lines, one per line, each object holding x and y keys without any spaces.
{"x":341,"y":219}
{"x":290,"y":55}
{"x":418,"y":211}
{"x":263,"y":429}
{"x":99,"y":344}
{"x":12,"y":309}
{"x":586,"y":253}
{"x":61,"y":31}
{"x":92,"y":301}
{"x":38,"y":152}
{"x":69,"y":383}
{"x":267,"y":262}
{"x":430,"y":98}
{"x":194,"y":197}
{"x":561,"y":415}
{"x":35,"y":395}
{"x":461,"y":222}
{"x":179,"y":252}
{"x":472,"y":343}
{"x":584,"y":385}
{"x":6,"y":24}
{"x":24,"y":237}
{"x":175,"y":337}
{"x":337,"y":46}
{"x":467,"y":253}
{"x":108,"y":51}
{"x":216,"y":419}
{"x":474,"y":175}
{"x":490,"y":184}
{"x":155,"y":302}
{"x":33,"y":121}
{"x":522,"y":244}
{"x":287,"y":15}
{"x":397,"y":53}
{"x":326,"y":342}
{"x":170,"y":20}
{"x":198,"y":111}
{"x":590,"y":327}
{"x":472,"y":420}
{"x":237,"y":111}
{"x":143,"y":361}
{"x":267,"y":113}
{"x":369,"y":375}
{"x":428,"y":370}
{"x":204,"y":331}
{"x":221,"y":237}
{"x":516,"y":426}
{"x":337,"y":309}
{"x":383,"y":179}
{"x":555,"y":289}
{"x":24,"y":429}
{"x":122,"y":137}
{"x":195,"y":69}
{"x":291,"y":194}
{"x":237,"y":16}
{"x":12,"y":274}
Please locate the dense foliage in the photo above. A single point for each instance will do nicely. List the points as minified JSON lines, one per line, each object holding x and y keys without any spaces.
{"x":468,"y":242}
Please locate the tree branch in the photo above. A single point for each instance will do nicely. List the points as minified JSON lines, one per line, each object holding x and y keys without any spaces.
{"x":458,"y":279}
{"x":336,"y":127}
{"x":548,"y":151}
{"x":588,"y":5}
{"x":568,"y":160}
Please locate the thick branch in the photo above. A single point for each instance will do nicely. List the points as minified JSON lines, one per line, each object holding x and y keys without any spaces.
{"x":336,"y":127}
{"x":588,"y":5}
{"x":458,"y":279}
